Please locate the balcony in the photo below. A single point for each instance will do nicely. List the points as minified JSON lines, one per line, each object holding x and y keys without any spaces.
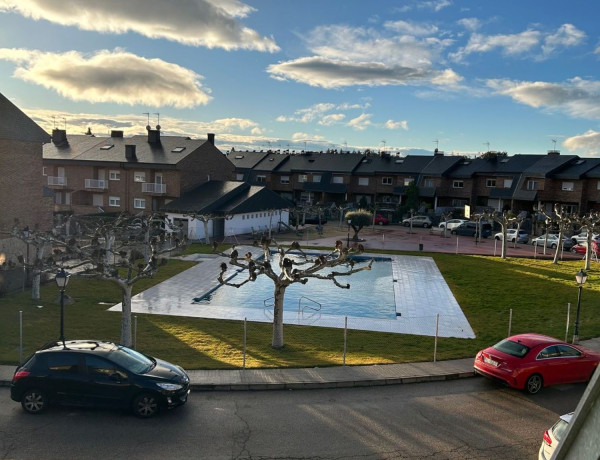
{"x":96,"y":184}
{"x":57,"y":181}
{"x":154,"y":189}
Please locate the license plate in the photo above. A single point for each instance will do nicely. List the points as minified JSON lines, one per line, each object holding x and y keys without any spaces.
{"x":490,"y":361}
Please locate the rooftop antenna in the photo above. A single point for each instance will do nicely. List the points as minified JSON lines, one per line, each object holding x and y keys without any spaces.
{"x":437,"y":144}
{"x":488,"y":146}
{"x":345,"y":144}
{"x":148,"y":115}
{"x":157,"y":120}
{"x":554,"y":142}
{"x":383,"y":140}
{"x":65,"y":120}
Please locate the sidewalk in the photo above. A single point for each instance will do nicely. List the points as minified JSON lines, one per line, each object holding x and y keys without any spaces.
{"x":324,"y":377}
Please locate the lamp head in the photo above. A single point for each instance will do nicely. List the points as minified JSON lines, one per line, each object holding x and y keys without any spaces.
{"x":581,"y":277}
{"x":62,"y":278}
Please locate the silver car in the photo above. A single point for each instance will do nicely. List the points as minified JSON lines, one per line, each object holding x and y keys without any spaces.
{"x":552,"y":436}
{"x":511,"y":235}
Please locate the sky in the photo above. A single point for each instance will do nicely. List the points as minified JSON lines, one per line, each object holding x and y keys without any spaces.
{"x":405,"y":76}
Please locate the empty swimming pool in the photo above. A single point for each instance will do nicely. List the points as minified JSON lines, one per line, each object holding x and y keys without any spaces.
{"x":371,"y":293}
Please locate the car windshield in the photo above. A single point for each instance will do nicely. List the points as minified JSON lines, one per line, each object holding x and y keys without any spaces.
{"x":512,"y":348}
{"x":559,"y":429}
{"x":131,"y":360}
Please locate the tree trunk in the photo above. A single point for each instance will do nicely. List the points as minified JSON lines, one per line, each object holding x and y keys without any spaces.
{"x":206,"y":236}
{"x":126,"y":338}
{"x":35,"y":284}
{"x":279,"y":295}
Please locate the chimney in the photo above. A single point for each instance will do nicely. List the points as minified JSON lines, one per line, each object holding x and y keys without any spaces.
{"x":153,"y":135}
{"x":211,"y":138}
{"x":115,"y":133}
{"x":130,"y":153}
{"x":554,"y":152}
{"x":59,"y":136}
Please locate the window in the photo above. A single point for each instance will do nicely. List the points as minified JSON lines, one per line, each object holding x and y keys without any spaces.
{"x":387,"y":180}
{"x":568,"y":186}
{"x":598,"y":185}
{"x":408,"y":181}
{"x":316,"y":178}
{"x":97,"y":199}
{"x":239,"y":176}
{"x":139,"y":203}
{"x":139,"y":176}
{"x":337,"y":179}
{"x":507,"y":183}
{"x":261,"y":178}
{"x":285,"y":179}
{"x":107,"y":147}
{"x":114,"y":175}
{"x":302,"y":178}
{"x":178,"y":149}
{"x":45,"y":173}
{"x":363,"y":181}
{"x":490,"y":182}
{"x":63,"y":362}
{"x":458,"y":184}
{"x":532,"y":185}
{"x":114,"y":201}
{"x":429,"y":183}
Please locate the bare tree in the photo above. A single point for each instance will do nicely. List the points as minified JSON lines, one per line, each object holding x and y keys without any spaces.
{"x":590,"y":223}
{"x":505,"y":219}
{"x":122,"y":250}
{"x":564,"y":221}
{"x":293,"y":266}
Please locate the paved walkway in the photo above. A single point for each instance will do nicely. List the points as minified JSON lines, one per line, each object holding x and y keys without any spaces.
{"x":355,"y":376}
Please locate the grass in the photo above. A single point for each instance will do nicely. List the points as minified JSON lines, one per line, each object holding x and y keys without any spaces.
{"x":486,"y":288}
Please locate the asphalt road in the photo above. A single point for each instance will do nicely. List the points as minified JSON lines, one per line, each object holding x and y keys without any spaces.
{"x":461,"y":419}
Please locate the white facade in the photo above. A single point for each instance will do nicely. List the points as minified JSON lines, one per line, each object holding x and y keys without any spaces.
{"x":240,"y":224}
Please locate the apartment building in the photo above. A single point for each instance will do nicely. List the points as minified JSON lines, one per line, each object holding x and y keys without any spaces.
{"x":141,"y":173}
{"x":22,"y":194}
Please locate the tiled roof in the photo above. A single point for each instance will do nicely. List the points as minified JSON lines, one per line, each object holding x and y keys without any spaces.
{"x":227,"y":197}
{"x":169,"y":151}
{"x":321,"y":162}
{"x":246,"y":160}
{"x":440,"y":165}
{"x":15,"y":125}
{"x":578,"y":169}
{"x":546,"y":165}
{"x":393,"y":164}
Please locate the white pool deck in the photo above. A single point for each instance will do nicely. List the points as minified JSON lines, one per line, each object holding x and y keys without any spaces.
{"x":420,"y":291}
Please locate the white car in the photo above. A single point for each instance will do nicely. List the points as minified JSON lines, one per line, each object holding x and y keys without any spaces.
{"x":451,"y":223}
{"x":553,"y":436}
{"x":417,"y":221}
{"x":511,"y":235}
{"x":552,"y":241}
{"x":582,"y":238}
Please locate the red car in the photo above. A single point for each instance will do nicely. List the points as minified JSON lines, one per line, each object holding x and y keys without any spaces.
{"x":380,"y":220}
{"x":532,"y":361}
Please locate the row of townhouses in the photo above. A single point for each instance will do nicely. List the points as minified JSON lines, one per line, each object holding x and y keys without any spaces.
{"x":520,"y":182}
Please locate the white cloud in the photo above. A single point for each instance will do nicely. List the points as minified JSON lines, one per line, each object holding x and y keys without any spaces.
{"x":576,"y":97}
{"x":523,"y":43}
{"x":361,"y":122}
{"x":588,"y":142}
{"x":320,"y":112}
{"x":208,"y":23}
{"x":470,"y":23}
{"x":410,"y":28}
{"x":332,"y":119}
{"x":110,"y":76}
{"x":391,"y":124}
{"x":566,"y":36}
{"x":345,"y":56}
{"x":304,"y":137}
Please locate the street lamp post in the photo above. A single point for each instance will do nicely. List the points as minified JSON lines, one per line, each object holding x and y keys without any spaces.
{"x":348,"y":240}
{"x":581,"y":278}
{"x":62,"y":279}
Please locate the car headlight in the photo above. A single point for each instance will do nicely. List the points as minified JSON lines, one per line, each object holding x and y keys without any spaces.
{"x":170,"y":386}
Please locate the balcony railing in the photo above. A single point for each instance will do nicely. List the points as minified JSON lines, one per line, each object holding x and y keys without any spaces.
{"x":57,"y":181}
{"x":149,"y":187}
{"x":96,"y":184}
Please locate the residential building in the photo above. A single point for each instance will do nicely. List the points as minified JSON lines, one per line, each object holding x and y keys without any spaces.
{"x":134,"y":174}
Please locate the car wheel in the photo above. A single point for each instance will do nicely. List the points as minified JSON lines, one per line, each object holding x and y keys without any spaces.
{"x":145,"y":405}
{"x":406,"y":224}
{"x":380,"y":223}
{"x":553,"y":246}
{"x":34,"y":401}
{"x":425,"y":225}
{"x":534,"y":384}
{"x":453,"y":232}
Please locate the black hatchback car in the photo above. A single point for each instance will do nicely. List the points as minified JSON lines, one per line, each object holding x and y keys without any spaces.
{"x":97,"y":373}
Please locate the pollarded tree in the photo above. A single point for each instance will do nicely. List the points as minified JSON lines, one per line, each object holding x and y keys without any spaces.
{"x":122,"y":250}
{"x":357,"y":220}
{"x":590,"y":223}
{"x":564,"y":221}
{"x":505,"y":219}
{"x":293,"y":266}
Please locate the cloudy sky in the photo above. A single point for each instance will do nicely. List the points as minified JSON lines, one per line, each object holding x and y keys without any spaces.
{"x":466,"y":76}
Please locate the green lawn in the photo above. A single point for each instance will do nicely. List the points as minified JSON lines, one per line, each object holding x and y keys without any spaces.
{"x":486,"y":288}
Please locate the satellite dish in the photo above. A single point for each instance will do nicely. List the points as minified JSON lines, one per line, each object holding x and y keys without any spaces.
{"x":158,"y":127}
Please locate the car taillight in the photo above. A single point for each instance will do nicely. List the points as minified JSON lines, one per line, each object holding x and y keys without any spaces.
{"x":547,"y":439}
{"x":20,"y":374}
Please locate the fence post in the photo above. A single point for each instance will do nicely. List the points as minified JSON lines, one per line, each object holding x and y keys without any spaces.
{"x":509,"y":322}
{"x":135,"y":332}
{"x":345,"y":338}
{"x":244,"y":355}
{"x":568,"y":314}
{"x":437,"y":325}
{"x":20,"y":337}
